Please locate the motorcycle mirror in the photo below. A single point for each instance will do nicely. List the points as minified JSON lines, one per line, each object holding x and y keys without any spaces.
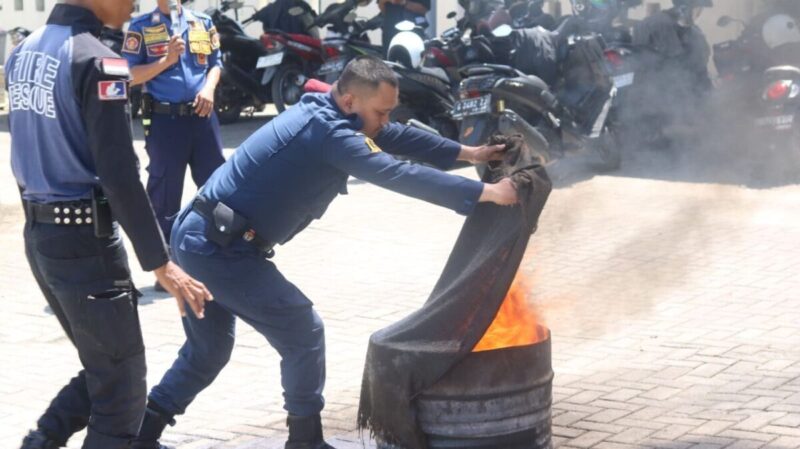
{"x":296,"y":11}
{"x":405,"y":25}
{"x":502,"y":31}
{"x":724,"y":21}
{"x":452,"y":15}
{"x":350,"y":17}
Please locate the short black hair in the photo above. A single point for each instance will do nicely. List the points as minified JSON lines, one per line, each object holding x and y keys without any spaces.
{"x":366,"y":71}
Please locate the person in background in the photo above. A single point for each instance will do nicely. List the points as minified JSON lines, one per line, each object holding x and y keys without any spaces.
{"x":180,"y":74}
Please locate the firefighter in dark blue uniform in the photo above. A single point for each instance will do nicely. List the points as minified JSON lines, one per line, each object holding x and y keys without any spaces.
{"x":180,"y":80}
{"x":73,"y":158}
{"x":278,"y":181}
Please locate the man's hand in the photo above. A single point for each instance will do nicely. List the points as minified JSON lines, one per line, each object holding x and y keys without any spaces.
{"x":482,"y":154}
{"x":177,"y":47}
{"x":204,"y":102}
{"x":504,"y":193}
{"x":184,"y":288}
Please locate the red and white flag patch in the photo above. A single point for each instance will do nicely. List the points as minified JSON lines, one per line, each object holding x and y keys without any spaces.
{"x":112,"y":90}
{"x":115,"y":67}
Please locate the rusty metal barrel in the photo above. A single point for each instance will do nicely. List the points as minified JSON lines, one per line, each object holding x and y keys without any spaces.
{"x":491,"y":399}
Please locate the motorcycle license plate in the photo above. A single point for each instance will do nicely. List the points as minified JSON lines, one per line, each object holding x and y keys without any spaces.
{"x":624,"y":80}
{"x":332,"y":66}
{"x":778,"y":122}
{"x":269,"y":60}
{"x":473,"y":106}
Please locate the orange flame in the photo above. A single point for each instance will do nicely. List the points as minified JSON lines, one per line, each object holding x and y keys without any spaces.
{"x":516,"y":323}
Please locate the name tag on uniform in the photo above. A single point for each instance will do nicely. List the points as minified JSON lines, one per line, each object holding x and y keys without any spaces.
{"x":112,"y":90}
{"x":200,"y":42}
{"x":156,"y":34}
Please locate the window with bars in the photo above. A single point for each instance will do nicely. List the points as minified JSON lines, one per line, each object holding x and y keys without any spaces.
{"x":40,"y":5}
{"x":18,"y":5}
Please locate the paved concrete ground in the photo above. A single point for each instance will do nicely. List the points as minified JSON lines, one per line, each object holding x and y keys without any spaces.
{"x":670,"y":287}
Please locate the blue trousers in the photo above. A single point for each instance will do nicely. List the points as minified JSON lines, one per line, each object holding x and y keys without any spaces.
{"x":248,"y":286}
{"x":173,"y":144}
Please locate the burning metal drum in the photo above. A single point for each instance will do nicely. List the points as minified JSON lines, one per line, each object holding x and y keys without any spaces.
{"x":492,"y":399}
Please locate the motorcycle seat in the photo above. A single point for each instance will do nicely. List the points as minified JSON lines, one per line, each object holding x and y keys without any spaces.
{"x":437,"y":73}
{"x":783,"y":69}
{"x":306,"y":39}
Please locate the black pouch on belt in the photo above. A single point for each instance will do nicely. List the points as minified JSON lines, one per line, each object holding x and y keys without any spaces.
{"x":101,"y":215}
{"x":225,"y":225}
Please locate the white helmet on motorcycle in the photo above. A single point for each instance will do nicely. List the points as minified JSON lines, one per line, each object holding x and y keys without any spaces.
{"x":780,"y":29}
{"x":406,"y":48}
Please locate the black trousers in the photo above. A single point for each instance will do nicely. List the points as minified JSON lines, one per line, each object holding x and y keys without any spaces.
{"x":87,"y":283}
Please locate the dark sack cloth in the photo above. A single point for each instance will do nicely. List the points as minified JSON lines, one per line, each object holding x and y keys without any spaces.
{"x":409,"y":356}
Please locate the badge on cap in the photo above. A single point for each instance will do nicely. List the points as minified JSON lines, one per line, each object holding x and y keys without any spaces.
{"x":112,"y":90}
{"x":133,"y":42}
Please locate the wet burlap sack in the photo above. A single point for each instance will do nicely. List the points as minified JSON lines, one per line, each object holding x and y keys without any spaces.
{"x":409,"y":356}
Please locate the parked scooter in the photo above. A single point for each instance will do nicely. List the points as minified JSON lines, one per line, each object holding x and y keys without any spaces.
{"x":761,"y":69}
{"x":258,"y":71}
{"x":347,"y":38}
{"x":568,"y":115}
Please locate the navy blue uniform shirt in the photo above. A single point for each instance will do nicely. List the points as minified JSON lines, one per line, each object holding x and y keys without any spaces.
{"x":288,"y":172}
{"x":147,"y":40}
{"x":70,"y":127}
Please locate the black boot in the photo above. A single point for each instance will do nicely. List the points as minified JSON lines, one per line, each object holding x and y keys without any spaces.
{"x":305,"y":432}
{"x":153,"y":425}
{"x":36,"y":439}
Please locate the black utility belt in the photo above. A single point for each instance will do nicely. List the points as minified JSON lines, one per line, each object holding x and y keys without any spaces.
{"x":178,"y":109}
{"x":95,"y":212}
{"x":68,"y":213}
{"x":225,"y":225}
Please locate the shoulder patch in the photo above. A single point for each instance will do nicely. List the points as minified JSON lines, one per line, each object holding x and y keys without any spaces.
{"x":133,"y":43}
{"x":373,"y":147}
{"x":112,"y":90}
{"x":215,"y":44}
{"x":115,"y":67}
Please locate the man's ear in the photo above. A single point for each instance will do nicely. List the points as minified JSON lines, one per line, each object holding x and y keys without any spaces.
{"x":347,"y":101}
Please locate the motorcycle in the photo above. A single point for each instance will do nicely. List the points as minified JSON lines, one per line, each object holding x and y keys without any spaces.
{"x":347,"y":38}
{"x":761,"y":69}
{"x":257,"y":71}
{"x":428,"y":72}
{"x":567,"y":116}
